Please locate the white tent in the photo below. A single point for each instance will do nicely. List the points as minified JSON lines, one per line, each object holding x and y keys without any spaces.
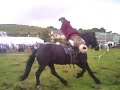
{"x":20,"y":40}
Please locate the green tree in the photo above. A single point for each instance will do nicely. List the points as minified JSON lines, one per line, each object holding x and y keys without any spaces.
{"x":44,"y":34}
{"x":102,"y":30}
{"x":92,"y":30}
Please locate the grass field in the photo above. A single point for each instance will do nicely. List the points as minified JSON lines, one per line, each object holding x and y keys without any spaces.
{"x":107,"y":69}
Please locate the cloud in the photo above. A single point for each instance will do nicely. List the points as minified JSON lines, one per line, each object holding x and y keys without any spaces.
{"x":38,"y":13}
{"x":82,"y":13}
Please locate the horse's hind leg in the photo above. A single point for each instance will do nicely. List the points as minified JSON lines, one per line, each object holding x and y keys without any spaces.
{"x":52,"y":68}
{"x":38,"y":73}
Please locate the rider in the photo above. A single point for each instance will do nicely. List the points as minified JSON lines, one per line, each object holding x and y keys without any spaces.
{"x":71,"y":34}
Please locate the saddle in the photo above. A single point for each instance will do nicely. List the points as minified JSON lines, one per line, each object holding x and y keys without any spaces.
{"x":72,"y":51}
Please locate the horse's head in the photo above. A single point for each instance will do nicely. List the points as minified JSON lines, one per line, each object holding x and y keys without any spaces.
{"x":90,"y":39}
{"x":93,"y":42}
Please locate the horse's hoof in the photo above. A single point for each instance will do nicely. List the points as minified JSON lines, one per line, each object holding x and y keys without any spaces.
{"x":65,"y":83}
{"x":21,"y":78}
{"x":79,"y":75}
{"x":98,"y":82}
{"x":38,"y":87}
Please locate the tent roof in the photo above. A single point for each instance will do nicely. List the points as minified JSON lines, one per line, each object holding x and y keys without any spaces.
{"x":20,"y":40}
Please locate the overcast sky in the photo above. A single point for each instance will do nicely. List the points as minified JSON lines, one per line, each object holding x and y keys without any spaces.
{"x":84,"y":14}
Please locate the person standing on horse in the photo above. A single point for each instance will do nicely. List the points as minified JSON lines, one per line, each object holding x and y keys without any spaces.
{"x":72,"y":35}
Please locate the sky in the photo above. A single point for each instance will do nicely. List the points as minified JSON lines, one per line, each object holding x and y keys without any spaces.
{"x":85,"y":14}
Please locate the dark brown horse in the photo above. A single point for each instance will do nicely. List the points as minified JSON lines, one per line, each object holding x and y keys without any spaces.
{"x":50,"y":54}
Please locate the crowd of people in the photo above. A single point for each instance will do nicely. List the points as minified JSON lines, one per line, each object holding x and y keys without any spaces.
{"x":5,"y":48}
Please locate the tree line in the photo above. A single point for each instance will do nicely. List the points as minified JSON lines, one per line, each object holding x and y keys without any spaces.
{"x":43,"y":33}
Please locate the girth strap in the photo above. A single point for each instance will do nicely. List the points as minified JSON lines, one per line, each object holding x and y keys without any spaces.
{"x":73,"y":55}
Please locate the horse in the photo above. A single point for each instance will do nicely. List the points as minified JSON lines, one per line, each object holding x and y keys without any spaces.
{"x":50,"y":54}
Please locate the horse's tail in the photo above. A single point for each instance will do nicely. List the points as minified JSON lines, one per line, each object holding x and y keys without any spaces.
{"x":29,"y":63}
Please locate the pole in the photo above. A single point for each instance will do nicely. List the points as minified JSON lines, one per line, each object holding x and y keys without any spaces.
{"x":105,"y":37}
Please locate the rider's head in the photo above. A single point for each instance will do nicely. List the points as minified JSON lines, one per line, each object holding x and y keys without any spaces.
{"x":62,"y":19}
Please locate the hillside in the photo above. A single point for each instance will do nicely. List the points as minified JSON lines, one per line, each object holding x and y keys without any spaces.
{"x":25,"y":30}
{"x":21,"y":29}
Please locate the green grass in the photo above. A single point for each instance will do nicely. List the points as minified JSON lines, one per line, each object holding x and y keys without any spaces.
{"x":107,"y":69}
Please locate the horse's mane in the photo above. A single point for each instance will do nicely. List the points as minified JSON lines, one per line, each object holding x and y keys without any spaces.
{"x":87,"y":33}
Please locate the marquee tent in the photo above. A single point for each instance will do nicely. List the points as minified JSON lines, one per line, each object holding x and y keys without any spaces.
{"x":20,"y":40}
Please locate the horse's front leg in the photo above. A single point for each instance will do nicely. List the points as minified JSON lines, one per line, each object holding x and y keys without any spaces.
{"x":82,"y":72}
{"x":97,"y":81}
{"x":38,"y":73}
